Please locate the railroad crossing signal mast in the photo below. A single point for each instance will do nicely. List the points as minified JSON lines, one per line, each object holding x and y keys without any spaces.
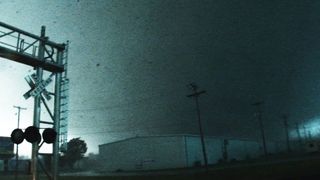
{"x":45,"y":56}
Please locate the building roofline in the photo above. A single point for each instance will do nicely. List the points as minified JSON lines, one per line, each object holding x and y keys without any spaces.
{"x":175,"y":135}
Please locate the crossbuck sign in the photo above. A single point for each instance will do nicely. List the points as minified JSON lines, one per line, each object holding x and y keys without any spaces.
{"x":37,"y":90}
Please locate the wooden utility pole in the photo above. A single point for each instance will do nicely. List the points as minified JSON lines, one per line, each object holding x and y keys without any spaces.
{"x":17,"y":146}
{"x":285,"y":122}
{"x":196,"y":95}
{"x":299,"y":135}
{"x":258,"y":105}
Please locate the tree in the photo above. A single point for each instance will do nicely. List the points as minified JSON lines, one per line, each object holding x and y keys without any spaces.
{"x":76,"y":148}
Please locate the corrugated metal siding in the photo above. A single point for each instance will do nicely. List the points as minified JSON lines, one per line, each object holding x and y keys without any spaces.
{"x":195,"y":154}
{"x":143,"y":153}
{"x":243,"y":149}
{"x":162,"y":152}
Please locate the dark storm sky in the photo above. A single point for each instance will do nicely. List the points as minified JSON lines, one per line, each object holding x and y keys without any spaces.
{"x":130,"y":62}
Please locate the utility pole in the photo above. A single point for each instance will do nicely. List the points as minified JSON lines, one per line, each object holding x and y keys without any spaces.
{"x":196,"y":95}
{"x":305,"y":132}
{"x":258,"y":105}
{"x":17,"y":146}
{"x":285,"y":122}
{"x":299,"y":135}
{"x":225,"y":149}
{"x":309,"y":135}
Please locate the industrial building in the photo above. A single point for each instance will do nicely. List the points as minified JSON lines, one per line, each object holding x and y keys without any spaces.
{"x":176,"y":151}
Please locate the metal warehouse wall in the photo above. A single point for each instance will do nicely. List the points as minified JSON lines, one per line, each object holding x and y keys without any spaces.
{"x":194,"y":153}
{"x":243,"y":149}
{"x":162,"y":152}
{"x":276,"y":147}
{"x":143,"y":153}
{"x":236,"y":149}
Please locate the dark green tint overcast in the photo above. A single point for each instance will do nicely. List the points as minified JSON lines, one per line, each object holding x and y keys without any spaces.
{"x":130,"y":62}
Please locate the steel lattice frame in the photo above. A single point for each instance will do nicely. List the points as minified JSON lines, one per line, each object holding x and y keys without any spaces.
{"x":45,"y":56}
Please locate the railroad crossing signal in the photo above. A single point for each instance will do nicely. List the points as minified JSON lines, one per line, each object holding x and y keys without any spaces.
{"x":44,"y":55}
{"x":32,"y":135}
{"x":37,"y":90}
{"x":17,"y":136}
{"x":49,"y":135}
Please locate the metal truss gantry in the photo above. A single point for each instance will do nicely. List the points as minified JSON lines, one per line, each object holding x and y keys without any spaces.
{"x":46,"y":57}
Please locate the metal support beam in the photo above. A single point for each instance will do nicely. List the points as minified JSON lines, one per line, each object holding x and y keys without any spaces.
{"x":16,"y":51}
{"x":41,"y":38}
{"x":37,"y":110}
{"x":29,"y":60}
{"x":47,"y":107}
{"x":56,"y":126}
